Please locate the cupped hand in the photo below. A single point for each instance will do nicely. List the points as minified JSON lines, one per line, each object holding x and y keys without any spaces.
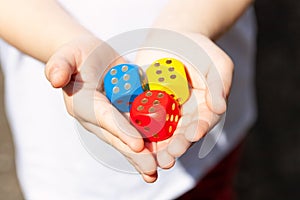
{"x":76,"y":67}
{"x":209,"y":89}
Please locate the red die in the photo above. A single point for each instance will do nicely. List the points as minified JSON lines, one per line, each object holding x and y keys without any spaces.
{"x":155,"y":114}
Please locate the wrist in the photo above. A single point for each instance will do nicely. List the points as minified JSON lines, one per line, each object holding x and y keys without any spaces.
{"x":70,"y":36}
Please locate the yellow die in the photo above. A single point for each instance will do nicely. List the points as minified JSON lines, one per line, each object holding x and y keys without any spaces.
{"x":168,"y":74}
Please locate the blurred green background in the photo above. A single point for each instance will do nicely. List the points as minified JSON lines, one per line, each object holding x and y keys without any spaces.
{"x":270,"y":166}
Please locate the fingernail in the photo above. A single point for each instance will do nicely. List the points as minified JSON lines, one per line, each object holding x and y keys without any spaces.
{"x":54,"y":76}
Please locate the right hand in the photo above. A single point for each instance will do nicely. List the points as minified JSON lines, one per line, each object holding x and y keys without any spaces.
{"x":209,"y":89}
{"x":89,"y":106}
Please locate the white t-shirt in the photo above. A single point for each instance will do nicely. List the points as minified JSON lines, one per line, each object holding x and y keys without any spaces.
{"x":51,"y":161}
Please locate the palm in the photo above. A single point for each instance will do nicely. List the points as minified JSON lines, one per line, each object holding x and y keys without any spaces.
{"x":210,"y":85}
{"x":85,"y":101}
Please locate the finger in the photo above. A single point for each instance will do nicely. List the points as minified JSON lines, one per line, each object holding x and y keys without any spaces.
{"x":178,"y":145}
{"x":217,"y":72}
{"x":219,"y":78}
{"x":225,"y":68}
{"x":60,"y":67}
{"x":163,"y":158}
{"x":215,"y":94}
{"x":93,"y":107}
{"x":144,"y":162}
{"x":148,"y":176}
{"x":196,"y":122}
{"x":196,"y":130}
{"x":109,"y":118}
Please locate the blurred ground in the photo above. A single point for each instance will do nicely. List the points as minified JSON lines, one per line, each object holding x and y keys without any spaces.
{"x":270,"y":167}
{"x":9,"y":188}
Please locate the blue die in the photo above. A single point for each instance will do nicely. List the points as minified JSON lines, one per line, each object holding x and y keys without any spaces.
{"x":122,"y":84}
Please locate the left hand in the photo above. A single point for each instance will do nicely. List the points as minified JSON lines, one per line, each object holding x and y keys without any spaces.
{"x":208,"y":96}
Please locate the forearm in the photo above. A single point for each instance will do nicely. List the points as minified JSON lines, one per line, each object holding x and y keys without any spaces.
{"x":209,"y":17}
{"x":37,"y":27}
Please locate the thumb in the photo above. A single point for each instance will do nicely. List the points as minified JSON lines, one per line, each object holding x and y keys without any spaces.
{"x":219,"y":84}
{"x":61,"y":66}
{"x":215,"y":94}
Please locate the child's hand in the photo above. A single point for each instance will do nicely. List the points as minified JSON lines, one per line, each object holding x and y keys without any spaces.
{"x":207,"y":101}
{"x":68,"y":69}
